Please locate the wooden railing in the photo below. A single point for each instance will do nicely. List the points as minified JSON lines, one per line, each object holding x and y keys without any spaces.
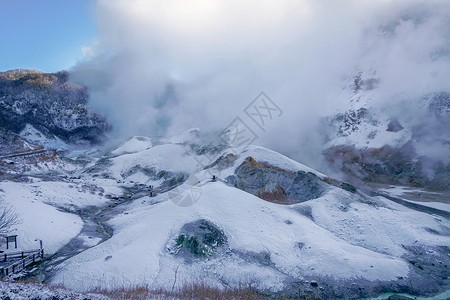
{"x":21,"y":261}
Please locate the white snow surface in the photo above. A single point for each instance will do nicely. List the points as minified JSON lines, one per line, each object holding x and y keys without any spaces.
{"x":32,"y":134}
{"x":188,"y":136}
{"x":167,"y":157}
{"x":37,"y":202}
{"x":371,"y":136}
{"x":10,"y":290}
{"x":39,"y":220}
{"x":375,"y":223}
{"x":399,"y":191}
{"x":138,"y":250}
{"x":368,"y":134}
{"x":134,"y":144}
{"x":341,"y":235}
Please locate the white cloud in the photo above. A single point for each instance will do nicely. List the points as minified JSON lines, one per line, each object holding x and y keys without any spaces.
{"x":174,"y":64}
{"x":88,"y":52}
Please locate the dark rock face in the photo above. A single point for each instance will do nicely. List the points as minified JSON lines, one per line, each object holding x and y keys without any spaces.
{"x":50,"y":103}
{"x":276,"y":185}
{"x":439,"y":104}
{"x":389,"y":165}
{"x":343,"y":185}
{"x":441,"y":179}
{"x":223,"y":162}
{"x":364,"y":84}
{"x":394,"y":126}
{"x":386,"y":164}
{"x":429,"y":267}
{"x":351,"y":120}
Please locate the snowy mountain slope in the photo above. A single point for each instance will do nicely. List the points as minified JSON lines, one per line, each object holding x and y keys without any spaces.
{"x":238,"y":231}
{"x":357,"y":119}
{"x":336,"y":237}
{"x":50,"y":142}
{"x":170,"y":157}
{"x":168,"y":161}
{"x":403,"y":141}
{"x":146,"y":231}
{"x":13,"y":143}
{"x":37,"y":162}
{"x":375,"y":223}
{"x":51,"y":103}
{"x":134,"y":144}
{"x":48,"y":204}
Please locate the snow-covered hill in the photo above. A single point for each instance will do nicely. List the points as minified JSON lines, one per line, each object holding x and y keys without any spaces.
{"x":266,"y":220}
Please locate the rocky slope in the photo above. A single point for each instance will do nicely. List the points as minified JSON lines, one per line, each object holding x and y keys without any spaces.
{"x":50,"y":103}
{"x":406,"y":143}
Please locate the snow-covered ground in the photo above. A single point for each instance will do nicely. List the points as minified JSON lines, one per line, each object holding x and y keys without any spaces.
{"x":135,"y":144}
{"x":347,"y":236}
{"x":170,"y":157}
{"x":400,"y":191}
{"x":38,"y":204}
{"x":32,"y":134}
{"x":139,"y":246}
{"x":376,"y":223}
{"x":39,"y":220}
{"x":339,"y":235}
{"x":10,"y":290}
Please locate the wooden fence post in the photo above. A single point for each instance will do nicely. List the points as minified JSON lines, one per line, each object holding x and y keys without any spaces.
{"x":21,"y":260}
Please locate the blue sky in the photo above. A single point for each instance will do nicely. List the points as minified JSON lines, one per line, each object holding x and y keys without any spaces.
{"x":46,"y":35}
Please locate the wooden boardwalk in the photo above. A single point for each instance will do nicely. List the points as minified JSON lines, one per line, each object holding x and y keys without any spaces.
{"x":18,"y":261}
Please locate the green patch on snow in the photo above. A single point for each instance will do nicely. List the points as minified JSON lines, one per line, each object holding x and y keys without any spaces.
{"x":200,"y":238}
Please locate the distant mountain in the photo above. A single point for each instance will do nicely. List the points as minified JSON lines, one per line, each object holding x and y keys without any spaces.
{"x":50,"y":103}
{"x":405,"y":142}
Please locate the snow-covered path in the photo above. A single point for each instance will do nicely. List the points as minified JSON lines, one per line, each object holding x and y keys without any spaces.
{"x":414,"y":205}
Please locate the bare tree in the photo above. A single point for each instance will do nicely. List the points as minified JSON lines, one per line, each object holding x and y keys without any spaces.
{"x":8,"y":218}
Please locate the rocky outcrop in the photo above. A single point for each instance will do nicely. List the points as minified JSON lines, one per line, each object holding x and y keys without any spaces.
{"x":50,"y":103}
{"x":276,"y":185}
{"x":390,"y":145}
{"x":439,"y":104}
{"x":388,"y":165}
{"x":350,"y":121}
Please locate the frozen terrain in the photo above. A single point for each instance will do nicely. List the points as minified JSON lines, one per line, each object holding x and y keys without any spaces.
{"x":117,"y":220}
